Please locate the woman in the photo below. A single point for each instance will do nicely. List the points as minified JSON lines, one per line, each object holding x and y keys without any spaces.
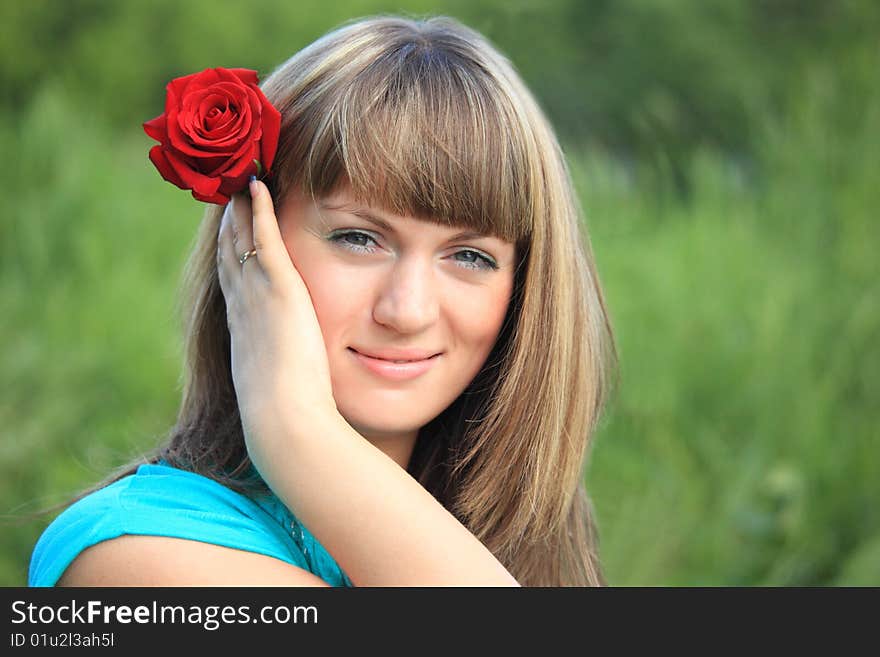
{"x":397,"y":348}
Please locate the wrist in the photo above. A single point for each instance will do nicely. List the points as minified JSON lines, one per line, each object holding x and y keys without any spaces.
{"x":277,"y":425}
{"x":306,"y":420}
{"x":296,"y":445}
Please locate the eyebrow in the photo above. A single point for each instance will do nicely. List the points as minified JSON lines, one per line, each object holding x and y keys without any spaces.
{"x":363,"y":213}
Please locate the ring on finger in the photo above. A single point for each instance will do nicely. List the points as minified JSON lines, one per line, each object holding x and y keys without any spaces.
{"x":247,"y":254}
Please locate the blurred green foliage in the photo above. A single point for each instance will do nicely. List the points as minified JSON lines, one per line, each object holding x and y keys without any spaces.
{"x":725,"y":153}
{"x":642,"y":78}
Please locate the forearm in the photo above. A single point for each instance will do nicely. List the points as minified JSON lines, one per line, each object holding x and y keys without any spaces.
{"x":381,"y":526}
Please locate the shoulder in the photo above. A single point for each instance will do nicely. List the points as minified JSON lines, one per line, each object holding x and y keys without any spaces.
{"x":157,"y":513}
{"x":140,"y":560}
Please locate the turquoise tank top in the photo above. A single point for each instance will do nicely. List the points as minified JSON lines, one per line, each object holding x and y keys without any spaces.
{"x":159,"y":500}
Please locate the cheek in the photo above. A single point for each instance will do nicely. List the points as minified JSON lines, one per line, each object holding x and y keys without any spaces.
{"x":477,"y":317}
{"x":339,"y":298}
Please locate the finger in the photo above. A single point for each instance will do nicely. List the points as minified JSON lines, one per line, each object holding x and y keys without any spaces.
{"x":235,"y":230}
{"x":266,"y":233}
{"x":241,"y":219}
{"x":228,"y":267}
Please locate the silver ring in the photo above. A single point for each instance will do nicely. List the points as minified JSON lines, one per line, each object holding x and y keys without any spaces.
{"x":247,"y":254}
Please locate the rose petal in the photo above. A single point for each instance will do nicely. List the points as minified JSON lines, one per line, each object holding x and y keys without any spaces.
{"x":192,"y":83}
{"x":204,"y":185}
{"x":186,"y":139}
{"x":231,"y":187}
{"x":185,"y":145}
{"x":218,"y":198}
{"x":214,"y":166}
{"x":248,"y":151}
{"x":155,"y":128}
{"x":230,"y":137}
{"x":193,"y":105}
{"x":224,"y":124}
{"x":222,"y":97}
{"x":163,"y":166}
{"x":214,"y":113}
{"x":244,"y":164}
{"x":175,"y":89}
{"x":245,"y":75}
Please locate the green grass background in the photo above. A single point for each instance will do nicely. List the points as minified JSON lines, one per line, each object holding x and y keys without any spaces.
{"x":741,"y":447}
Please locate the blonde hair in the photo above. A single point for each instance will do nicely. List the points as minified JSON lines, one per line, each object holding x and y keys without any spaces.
{"x":425,"y":118}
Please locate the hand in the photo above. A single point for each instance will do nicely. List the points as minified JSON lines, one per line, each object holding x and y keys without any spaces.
{"x":279,"y":360}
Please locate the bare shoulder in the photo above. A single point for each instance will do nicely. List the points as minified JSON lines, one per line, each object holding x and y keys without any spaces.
{"x":162,"y":561}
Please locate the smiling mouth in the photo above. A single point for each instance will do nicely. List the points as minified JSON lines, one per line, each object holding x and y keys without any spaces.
{"x":399,"y":361}
{"x":395,"y":370}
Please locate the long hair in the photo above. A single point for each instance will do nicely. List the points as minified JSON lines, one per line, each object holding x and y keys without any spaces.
{"x":425,"y":118}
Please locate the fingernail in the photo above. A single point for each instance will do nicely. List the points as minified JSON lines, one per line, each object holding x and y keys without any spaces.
{"x":252,"y":186}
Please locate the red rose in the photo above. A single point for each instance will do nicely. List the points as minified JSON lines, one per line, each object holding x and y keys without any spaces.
{"x":218,"y":129}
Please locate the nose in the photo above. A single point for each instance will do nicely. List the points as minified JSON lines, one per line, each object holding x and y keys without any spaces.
{"x":407,"y":301}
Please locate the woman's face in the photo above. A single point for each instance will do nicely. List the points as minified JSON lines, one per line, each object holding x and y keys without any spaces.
{"x":388,"y":288}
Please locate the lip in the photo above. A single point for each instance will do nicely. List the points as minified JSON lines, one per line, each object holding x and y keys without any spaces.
{"x":385,"y":368}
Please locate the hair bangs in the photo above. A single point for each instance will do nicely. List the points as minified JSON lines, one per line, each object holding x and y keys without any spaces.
{"x":417,"y":133}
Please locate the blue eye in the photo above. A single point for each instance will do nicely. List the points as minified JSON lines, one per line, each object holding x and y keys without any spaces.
{"x":475,"y":260}
{"x":353,"y":240}
{"x":360,"y":242}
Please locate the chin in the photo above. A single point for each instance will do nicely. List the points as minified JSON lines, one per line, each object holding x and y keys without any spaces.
{"x":382,"y":419}
{"x":387,"y":409}
{"x":376,"y":427}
